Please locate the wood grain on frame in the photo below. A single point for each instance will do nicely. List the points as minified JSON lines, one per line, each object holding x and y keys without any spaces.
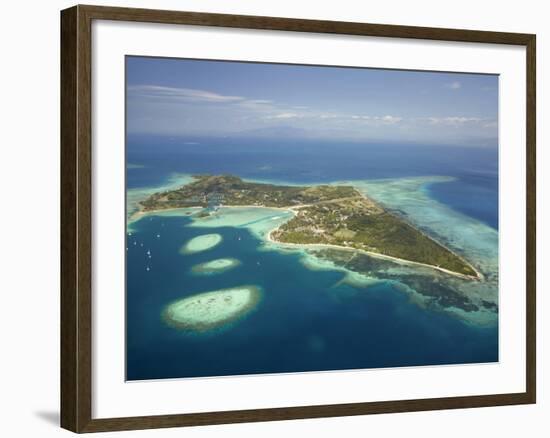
{"x":76,"y":214}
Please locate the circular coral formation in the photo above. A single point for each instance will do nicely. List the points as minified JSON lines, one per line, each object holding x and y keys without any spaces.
{"x":215,"y":266}
{"x":210,"y":310}
{"x":201,"y":243}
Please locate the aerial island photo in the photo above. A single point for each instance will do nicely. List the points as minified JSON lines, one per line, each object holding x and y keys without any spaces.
{"x":287,"y":218}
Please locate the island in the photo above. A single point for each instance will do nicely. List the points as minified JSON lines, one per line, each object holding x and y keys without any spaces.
{"x":216,"y":266}
{"x":210,"y":310}
{"x":201,"y":243}
{"x":337,"y":216}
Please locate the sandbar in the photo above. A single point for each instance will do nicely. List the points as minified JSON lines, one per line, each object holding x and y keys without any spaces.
{"x":210,"y":310}
{"x":215,"y":266}
{"x":201,"y":243}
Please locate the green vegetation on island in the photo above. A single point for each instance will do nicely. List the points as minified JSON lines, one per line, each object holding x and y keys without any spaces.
{"x":323,"y":214}
{"x":207,"y":190}
{"x":360,"y":224}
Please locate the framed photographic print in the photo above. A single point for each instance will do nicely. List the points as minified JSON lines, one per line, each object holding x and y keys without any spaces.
{"x":269,"y":218}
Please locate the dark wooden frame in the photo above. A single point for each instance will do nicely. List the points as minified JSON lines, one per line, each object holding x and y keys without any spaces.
{"x":76,"y":225}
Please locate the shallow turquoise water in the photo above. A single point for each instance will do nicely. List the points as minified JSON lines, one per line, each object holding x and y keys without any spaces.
{"x":312,"y":315}
{"x":307,"y":319}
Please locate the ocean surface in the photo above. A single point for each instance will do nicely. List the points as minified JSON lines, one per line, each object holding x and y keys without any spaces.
{"x":313,"y":315}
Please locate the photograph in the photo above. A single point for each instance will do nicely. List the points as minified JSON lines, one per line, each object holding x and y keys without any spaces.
{"x":273,"y":220}
{"x":286,"y":218}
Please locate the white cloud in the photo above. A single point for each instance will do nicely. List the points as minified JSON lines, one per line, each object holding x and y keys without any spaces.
{"x":180,"y":94}
{"x":176,"y":110}
{"x":378,"y":120}
{"x":455,"y":85}
{"x":391,"y":120}
{"x":492,"y":124}
{"x":259,"y":101}
{"x":284,"y":116}
{"x":453,"y":121}
{"x":262,"y":105}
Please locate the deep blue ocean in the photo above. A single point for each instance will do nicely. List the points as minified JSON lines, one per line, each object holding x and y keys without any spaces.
{"x":305,"y":321}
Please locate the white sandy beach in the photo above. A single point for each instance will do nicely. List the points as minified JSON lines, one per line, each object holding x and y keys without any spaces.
{"x":209,"y":310}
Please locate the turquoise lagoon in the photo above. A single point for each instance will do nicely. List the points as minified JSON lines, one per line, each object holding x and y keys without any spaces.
{"x":313,"y":313}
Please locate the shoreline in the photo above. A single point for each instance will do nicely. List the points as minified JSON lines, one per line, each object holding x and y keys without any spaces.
{"x":137,"y":215}
{"x":477,"y":277}
{"x":292,"y":209}
{"x":270,"y":239}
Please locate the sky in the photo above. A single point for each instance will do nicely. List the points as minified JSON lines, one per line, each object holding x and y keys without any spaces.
{"x":200,"y":98}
